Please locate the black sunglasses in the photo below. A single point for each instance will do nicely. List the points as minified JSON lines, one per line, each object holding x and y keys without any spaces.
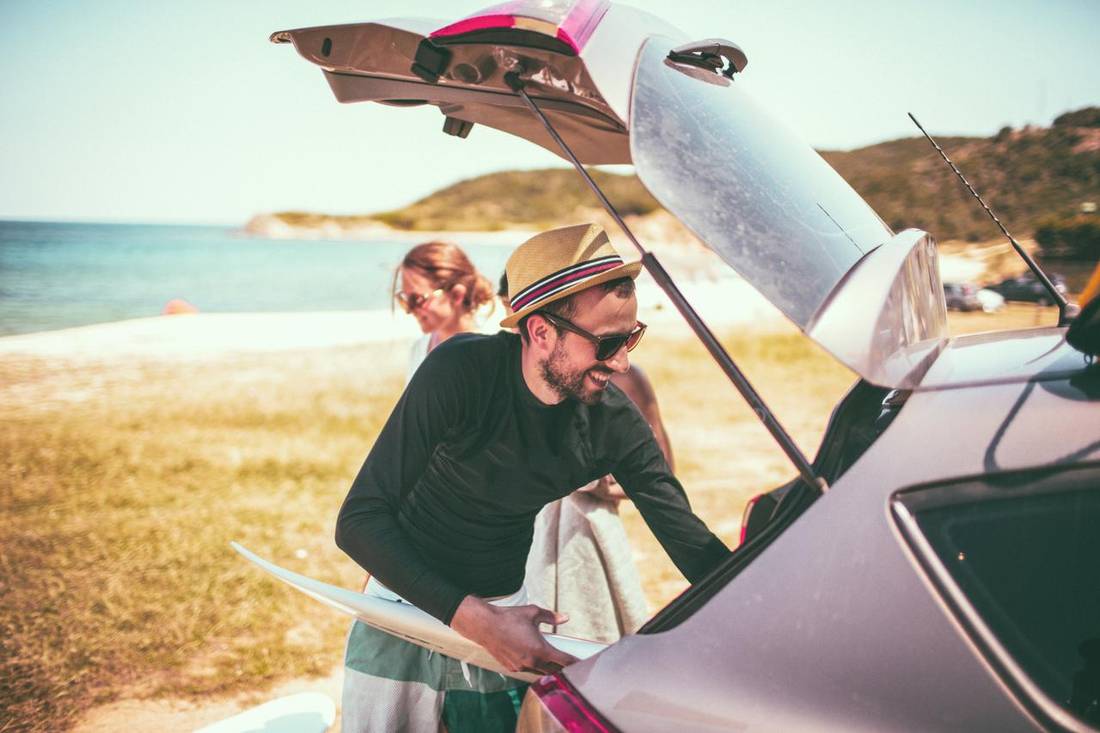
{"x":606,"y":346}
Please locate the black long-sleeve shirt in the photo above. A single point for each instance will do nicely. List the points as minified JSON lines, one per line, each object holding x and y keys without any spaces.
{"x":445,"y":504}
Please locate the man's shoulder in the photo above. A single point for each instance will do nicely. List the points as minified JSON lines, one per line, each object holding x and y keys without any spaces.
{"x":477,"y":345}
{"x":475,"y":352}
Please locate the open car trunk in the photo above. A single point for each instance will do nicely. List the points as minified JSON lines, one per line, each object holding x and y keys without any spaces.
{"x":749,"y":189}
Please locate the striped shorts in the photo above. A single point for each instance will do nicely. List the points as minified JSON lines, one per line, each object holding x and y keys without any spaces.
{"x":394,"y":685}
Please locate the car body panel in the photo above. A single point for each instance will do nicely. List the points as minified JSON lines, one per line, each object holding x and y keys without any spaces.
{"x":762,"y":199}
{"x":1030,"y":354}
{"x":834,"y":627}
{"x":775,"y":211}
{"x":883,"y":320}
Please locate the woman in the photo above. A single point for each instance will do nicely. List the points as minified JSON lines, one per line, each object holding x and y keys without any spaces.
{"x":442,"y":289}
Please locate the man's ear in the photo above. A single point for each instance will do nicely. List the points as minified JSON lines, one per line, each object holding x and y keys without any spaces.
{"x":540,"y":333}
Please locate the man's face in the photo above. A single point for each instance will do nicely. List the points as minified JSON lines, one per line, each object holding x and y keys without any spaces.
{"x":571,"y":368}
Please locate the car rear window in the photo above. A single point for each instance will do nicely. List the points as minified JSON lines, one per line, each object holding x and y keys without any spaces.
{"x":1018,"y":556}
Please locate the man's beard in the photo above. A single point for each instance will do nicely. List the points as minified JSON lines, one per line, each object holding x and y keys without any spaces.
{"x":570,"y":384}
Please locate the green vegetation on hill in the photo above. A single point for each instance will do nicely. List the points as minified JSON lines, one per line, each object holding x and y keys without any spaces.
{"x":1087,"y":117}
{"x":1076,"y":237}
{"x":538,"y":198}
{"x":1026,"y":176}
{"x":309,"y":219}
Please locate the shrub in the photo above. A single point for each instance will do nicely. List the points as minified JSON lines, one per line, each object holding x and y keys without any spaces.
{"x":1076,"y":237}
{"x":1087,"y":117}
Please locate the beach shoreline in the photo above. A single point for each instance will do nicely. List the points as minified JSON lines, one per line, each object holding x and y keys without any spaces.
{"x":721,"y":302}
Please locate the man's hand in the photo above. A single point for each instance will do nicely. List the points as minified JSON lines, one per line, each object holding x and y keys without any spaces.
{"x":607,"y":489}
{"x":511,"y":634}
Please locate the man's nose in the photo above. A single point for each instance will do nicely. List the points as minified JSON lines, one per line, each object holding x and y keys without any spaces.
{"x":619,"y":361}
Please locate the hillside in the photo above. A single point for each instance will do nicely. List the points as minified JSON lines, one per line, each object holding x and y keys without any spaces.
{"x":1025,"y":175}
{"x":528,"y":199}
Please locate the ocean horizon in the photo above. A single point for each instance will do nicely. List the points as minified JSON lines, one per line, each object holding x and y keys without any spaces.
{"x":59,"y":274}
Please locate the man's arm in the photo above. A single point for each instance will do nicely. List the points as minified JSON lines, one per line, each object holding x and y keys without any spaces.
{"x":636,"y":385}
{"x":645,"y":476}
{"x":367,"y":528}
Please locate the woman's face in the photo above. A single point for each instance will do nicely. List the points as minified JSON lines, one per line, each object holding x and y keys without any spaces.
{"x":437,"y":310}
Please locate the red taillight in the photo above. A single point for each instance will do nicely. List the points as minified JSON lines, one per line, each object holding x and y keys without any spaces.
{"x":566,"y":706}
{"x":758,"y":513}
{"x":745,"y":518}
{"x":570,"y":21}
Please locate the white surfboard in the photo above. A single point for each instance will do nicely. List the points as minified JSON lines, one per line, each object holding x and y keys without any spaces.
{"x":409,"y":622}
{"x":306,"y":712}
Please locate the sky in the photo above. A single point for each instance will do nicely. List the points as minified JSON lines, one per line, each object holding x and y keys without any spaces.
{"x":138,"y":110}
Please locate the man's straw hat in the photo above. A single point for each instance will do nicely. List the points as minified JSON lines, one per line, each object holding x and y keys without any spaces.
{"x":555,"y":264}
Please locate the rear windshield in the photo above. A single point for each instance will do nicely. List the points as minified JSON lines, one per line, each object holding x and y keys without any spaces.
{"x":1027,"y":558}
{"x":752,"y":191}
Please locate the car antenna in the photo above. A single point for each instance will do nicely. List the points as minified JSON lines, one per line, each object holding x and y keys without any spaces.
{"x":661,"y":276}
{"x":1066,"y":310}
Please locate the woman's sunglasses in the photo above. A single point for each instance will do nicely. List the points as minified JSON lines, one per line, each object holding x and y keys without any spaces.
{"x":411,"y":301}
{"x":606,"y":346}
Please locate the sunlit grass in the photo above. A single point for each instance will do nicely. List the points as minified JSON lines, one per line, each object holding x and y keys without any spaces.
{"x":119,"y":497}
{"x":1012,"y":316}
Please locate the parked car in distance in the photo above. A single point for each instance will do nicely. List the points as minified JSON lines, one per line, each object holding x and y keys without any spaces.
{"x":1027,"y":288}
{"x":961,"y":296}
{"x":991,"y":300}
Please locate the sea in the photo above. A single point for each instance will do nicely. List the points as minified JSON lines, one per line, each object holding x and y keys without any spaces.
{"x":62,"y":274}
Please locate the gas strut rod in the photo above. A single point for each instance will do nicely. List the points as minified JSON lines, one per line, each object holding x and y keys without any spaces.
{"x":1063,"y":316}
{"x":661,"y":276}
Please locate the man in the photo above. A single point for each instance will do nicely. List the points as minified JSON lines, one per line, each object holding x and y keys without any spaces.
{"x":580,"y":556}
{"x":489,"y":430}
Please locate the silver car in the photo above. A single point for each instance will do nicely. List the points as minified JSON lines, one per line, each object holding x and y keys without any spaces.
{"x":937,"y":565}
{"x":962,"y":296}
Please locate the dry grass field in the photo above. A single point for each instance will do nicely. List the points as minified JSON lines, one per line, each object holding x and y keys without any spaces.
{"x":122,"y":483}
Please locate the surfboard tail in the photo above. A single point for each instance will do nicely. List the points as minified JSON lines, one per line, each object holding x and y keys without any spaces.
{"x":409,"y":622}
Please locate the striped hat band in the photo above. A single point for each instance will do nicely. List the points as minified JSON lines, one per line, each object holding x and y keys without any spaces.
{"x":547,"y":287}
